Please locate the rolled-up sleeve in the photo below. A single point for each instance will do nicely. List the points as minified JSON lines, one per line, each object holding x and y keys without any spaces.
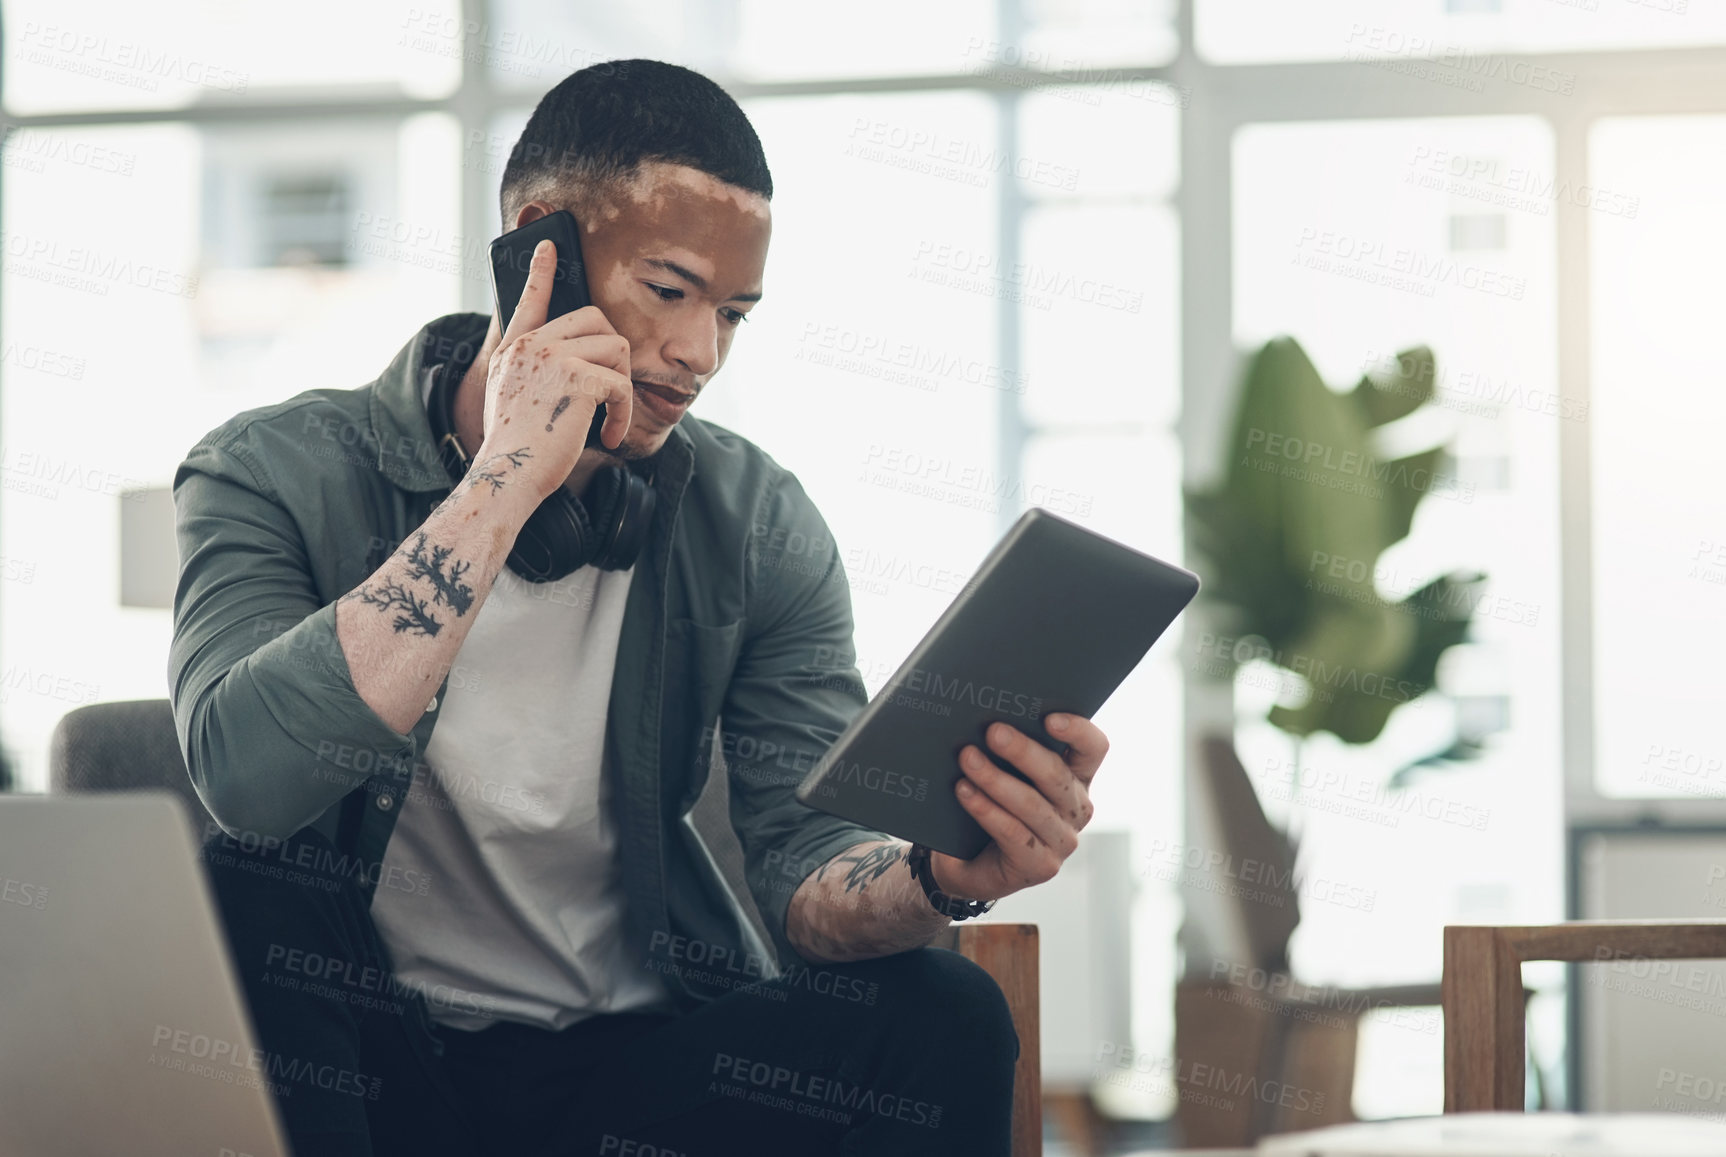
{"x":271,"y":727}
{"x":795,"y":688}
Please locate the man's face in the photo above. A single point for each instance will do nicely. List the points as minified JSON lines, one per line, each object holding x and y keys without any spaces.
{"x":674,"y":261}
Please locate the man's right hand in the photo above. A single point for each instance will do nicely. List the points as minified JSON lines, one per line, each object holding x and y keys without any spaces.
{"x":546,"y":379}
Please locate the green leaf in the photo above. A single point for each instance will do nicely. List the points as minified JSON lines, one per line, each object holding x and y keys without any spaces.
{"x":1350,"y":651}
{"x":1384,"y":395}
{"x":1405,"y":482}
{"x":1441,"y":611}
{"x":1292,"y":533}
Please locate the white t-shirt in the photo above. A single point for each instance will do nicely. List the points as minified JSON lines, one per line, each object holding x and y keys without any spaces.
{"x":522,"y":916}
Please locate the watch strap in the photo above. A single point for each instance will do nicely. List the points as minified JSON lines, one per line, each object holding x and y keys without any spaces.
{"x":949,"y":906}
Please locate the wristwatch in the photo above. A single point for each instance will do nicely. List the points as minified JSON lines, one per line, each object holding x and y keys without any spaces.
{"x":949,"y":906}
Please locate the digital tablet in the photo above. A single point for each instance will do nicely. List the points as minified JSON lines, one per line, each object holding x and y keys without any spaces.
{"x":1053,"y":621}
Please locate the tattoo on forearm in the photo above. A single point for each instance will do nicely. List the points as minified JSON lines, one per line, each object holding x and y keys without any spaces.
{"x":562,"y":405}
{"x":436,"y":567}
{"x":413,"y":613}
{"x":447,"y":585}
{"x":837,"y":916}
{"x":867,"y":865}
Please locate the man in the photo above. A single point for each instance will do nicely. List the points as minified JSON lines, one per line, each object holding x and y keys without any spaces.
{"x":455,"y":865}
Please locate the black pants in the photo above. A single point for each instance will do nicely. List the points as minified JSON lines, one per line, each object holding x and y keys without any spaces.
{"x":905,"y":1054}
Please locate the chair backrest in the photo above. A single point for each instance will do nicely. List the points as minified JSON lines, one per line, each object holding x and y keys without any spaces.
{"x":127,"y":745}
{"x":1486,"y":1005}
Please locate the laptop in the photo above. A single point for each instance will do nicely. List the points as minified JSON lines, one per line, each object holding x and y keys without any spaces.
{"x":122,"y":1029}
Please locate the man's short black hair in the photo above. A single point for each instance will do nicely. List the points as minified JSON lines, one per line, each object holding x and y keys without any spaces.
{"x":595,"y":129}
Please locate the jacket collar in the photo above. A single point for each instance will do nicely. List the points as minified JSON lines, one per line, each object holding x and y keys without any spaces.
{"x":406,"y":452}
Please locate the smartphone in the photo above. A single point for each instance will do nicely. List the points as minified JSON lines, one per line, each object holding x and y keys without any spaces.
{"x":511,"y":256}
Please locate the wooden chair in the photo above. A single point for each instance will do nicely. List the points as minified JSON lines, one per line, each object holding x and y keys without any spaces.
{"x":132,"y":745}
{"x":1008,"y":952}
{"x":1484,"y":1020}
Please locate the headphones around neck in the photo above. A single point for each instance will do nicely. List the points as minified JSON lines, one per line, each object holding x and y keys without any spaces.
{"x":606,"y":527}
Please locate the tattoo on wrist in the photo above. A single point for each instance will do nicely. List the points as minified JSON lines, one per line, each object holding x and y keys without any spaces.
{"x":490,"y":470}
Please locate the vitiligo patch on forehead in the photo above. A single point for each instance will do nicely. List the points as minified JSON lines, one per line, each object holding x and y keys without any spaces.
{"x":658,"y":183}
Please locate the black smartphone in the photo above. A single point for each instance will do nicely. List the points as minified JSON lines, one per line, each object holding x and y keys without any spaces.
{"x":511,"y":256}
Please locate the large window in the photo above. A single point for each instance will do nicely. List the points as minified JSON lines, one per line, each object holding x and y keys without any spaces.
{"x":157,"y":280}
{"x":1660,"y":530}
{"x":104,"y":55}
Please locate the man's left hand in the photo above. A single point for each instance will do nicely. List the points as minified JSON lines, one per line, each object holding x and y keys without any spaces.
{"x":1035,"y":826}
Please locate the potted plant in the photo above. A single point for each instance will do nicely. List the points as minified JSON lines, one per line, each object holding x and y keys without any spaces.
{"x":1288,"y":544}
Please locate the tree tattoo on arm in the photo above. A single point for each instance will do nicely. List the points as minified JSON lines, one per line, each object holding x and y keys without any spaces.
{"x":489,"y":471}
{"x":413,"y":613}
{"x":447,"y":585}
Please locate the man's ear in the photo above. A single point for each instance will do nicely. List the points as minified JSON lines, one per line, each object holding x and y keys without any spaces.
{"x":533,"y":211}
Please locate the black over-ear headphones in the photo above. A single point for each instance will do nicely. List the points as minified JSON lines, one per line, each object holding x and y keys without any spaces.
{"x":605,"y":527}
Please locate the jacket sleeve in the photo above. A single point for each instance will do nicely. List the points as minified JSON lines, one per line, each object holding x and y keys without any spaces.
{"x":794,"y":689}
{"x":271,"y":727}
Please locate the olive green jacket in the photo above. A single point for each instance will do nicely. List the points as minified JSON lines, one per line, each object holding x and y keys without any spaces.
{"x":736,"y":652}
